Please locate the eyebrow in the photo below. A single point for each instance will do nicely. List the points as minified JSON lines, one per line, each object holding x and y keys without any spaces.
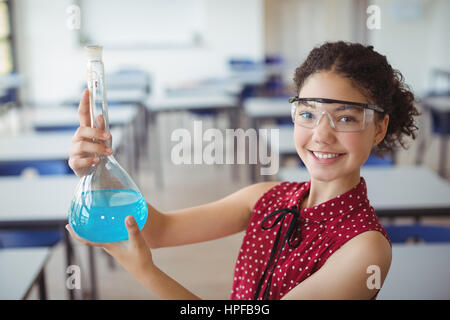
{"x":364,"y":105}
{"x":306,"y":103}
{"x":346,"y":107}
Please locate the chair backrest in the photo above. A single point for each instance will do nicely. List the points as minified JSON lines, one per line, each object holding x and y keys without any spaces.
{"x":374,"y":160}
{"x":418,"y":233}
{"x":29,"y":238}
{"x":56,"y":128}
{"x":43,"y":167}
{"x":436,"y":123}
{"x":243,"y":64}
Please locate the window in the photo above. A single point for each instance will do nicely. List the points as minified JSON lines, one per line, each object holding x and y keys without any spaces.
{"x":6,"y":56}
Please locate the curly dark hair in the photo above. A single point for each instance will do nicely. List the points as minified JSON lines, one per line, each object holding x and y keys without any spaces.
{"x":370,"y":73}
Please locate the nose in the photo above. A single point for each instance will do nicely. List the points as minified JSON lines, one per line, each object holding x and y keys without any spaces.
{"x":324,"y":132}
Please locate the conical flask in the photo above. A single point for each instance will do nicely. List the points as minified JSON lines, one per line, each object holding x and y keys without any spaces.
{"x":106,"y":194}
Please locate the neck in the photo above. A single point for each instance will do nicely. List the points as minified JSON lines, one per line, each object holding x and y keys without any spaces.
{"x":322,"y":191}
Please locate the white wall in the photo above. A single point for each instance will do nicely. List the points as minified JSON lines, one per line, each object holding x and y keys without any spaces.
{"x":294,"y":27}
{"x":416,"y":44}
{"x":54,"y":64}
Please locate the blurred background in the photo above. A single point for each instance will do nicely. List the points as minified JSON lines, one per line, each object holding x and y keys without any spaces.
{"x":228,"y":64}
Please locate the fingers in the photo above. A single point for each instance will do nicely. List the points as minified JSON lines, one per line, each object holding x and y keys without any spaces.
{"x":84,"y":113}
{"x":88,"y":133}
{"x":83,"y":148}
{"x":82,"y":163}
{"x":134,"y":234}
{"x":85,"y":142}
{"x":83,"y":241}
{"x":112,"y":248}
{"x":83,"y":110}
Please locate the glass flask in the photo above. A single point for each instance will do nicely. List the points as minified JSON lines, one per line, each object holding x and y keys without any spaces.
{"x":106,"y":194}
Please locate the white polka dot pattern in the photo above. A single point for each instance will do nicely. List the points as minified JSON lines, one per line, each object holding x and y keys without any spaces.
{"x":323,"y":230}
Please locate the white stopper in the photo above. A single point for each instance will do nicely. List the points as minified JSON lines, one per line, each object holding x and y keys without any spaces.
{"x":94,"y":53}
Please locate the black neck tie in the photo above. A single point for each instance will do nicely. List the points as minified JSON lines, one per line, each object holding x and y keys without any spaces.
{"x":289,"y":238}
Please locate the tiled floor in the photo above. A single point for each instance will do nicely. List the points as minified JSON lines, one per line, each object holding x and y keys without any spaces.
{"x":206,"y":268}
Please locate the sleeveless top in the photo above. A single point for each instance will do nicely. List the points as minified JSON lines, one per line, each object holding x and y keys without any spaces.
{"x":283,"y":245}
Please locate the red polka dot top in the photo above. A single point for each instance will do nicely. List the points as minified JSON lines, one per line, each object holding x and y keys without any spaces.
{"x":283,"y":245}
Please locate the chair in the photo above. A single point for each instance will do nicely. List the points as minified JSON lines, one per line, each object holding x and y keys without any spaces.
{"x":43,"y":167}
{"x":19,"y":238}
{"x":374,"y":160}
{"x":418,"y":233}
{"x":437,"y":104}
{"x":9,"y":84}
{"x":56,"y":129}
{"x":274,"y":84}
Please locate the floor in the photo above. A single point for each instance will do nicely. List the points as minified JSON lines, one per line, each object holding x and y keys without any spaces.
{"x":205,"y":268}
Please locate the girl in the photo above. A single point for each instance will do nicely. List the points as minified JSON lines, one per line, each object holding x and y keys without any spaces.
{"x":319,"y":239}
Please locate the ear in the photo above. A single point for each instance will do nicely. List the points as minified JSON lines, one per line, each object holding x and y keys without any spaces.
{"x":381,"y":127}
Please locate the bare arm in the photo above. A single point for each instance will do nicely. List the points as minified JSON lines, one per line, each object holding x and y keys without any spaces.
{"x":344,"y":276}
{"x":210,"y":221}
{"x":201,"y":223}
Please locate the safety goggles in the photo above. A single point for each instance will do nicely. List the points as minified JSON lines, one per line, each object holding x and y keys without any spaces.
{"x":344,"y":116}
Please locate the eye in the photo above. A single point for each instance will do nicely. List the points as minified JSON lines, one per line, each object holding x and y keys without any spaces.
{"x":306,"y":115}
{"x":347,"y":119}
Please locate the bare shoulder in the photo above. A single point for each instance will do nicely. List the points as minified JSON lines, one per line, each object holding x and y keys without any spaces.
{"x":348,"y":273}
{"x":367,"y":252}
{"x":367,"y":246}
{"x":372,"y":240}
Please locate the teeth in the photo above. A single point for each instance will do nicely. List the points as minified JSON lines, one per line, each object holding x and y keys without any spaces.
{"x":325,"y":155}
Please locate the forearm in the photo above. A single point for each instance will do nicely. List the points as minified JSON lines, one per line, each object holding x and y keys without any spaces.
{"x":193,"y":225}
{"x":205,"y":222}
{"x":154,"y":227}
{"x":165,"y":287}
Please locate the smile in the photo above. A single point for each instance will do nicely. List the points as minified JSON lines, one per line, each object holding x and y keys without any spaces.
{"x":321,"y":156}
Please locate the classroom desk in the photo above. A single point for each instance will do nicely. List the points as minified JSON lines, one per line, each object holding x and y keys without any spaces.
{"x":128,"y":116}
{"x":125,"y":108}
{"x":20,"y":270}
{"x":191,"y":102}
{"x":41,"y":202}
{"x":264,"y":108}
{"x":116,"y":96}
{"x":46,"y":207}
{"x":135,"y":96}
{"x":33,"y":146}
{"x":38,"y":203}
{"x":254,"y":77}
{"x":284,"y":146}
{"x":156,"y":105}
{"x":418,"y":271}
{"x":66,"y":116}
{"x":401,"y":191}
{"x":203,"y":88}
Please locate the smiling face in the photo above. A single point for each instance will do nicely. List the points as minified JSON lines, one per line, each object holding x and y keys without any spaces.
{"x":329,"y":155}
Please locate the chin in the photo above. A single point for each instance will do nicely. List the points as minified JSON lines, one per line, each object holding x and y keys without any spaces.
{"x":323,"y":175}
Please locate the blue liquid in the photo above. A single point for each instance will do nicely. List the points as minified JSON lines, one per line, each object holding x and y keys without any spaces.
{"x":99,"y":215}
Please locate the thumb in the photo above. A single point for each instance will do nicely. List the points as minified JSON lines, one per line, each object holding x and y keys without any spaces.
{"x":134,"y":234}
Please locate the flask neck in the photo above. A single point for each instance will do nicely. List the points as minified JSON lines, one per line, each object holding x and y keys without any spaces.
{"x":97,"y":95}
